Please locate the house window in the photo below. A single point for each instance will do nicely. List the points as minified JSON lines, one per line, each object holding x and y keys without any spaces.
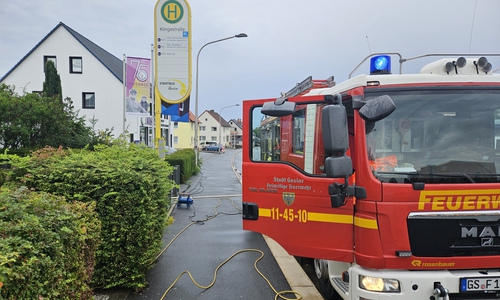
{"x":88,"y":100}
{"x":47,"y":58}
{"x":214,"y":139}
{"x":75,"y":65}
{"x":214,"y":128}
{"x":203,"y":138}
{"x":176,"y":140}
{"x":176,"y":125}
{"x":202,"y":128}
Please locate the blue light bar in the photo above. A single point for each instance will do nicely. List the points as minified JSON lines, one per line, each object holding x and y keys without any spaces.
{"x":380,"y":64}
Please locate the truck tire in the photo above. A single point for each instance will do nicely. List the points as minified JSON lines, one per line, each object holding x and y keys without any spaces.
{"x":326,"y":288}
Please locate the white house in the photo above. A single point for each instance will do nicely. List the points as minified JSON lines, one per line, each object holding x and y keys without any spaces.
{"x":90,"y":76}
{"x":213,"y":128}
{"x":236,"y":133}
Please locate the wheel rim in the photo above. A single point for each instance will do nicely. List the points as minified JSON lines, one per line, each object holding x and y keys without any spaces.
{"x":320,"y":268}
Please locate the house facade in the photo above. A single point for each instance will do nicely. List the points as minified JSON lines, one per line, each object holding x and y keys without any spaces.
{"x":213,"y":128}
{"x":90,"y":76}
{"x":184,"y":133}
{"x":236,"y":133}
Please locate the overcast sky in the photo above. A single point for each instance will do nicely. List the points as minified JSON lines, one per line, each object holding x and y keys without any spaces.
{"x":288,"y":40}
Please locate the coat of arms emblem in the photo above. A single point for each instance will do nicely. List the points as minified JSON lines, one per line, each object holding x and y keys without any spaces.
{"x":288,"y":198}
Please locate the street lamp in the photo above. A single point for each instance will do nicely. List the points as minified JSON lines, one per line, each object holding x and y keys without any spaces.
{"x":196,"y":88}
{"x":220,"y":121}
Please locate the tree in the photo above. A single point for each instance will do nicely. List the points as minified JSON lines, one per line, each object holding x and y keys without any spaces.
{"x":33,"y":121}
{"x":20,"y":119}
{"x":52,"y":84}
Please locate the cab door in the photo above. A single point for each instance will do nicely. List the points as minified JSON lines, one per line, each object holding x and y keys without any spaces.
{"x":285,"y":192}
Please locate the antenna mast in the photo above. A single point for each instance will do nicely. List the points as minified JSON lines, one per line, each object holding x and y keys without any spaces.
{"x":472,"y":26}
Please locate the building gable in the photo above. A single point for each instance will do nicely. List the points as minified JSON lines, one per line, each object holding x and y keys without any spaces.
{"x":111,"y":62}
{"x":96,"y":89}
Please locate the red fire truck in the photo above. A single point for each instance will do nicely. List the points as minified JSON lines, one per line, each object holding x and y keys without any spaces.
{"x":390,"y":182}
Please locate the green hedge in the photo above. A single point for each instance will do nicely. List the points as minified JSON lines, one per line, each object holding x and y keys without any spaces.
{"x":185,"y":159}
{"x":130,"y":185}
{"x":47,"y":246}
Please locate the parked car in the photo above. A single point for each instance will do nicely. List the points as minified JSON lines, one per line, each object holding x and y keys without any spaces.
{"x":205,"y":144}
{"x":215,"y":148}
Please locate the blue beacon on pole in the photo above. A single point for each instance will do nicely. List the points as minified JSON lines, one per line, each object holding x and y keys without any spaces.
{"x":380,"y":64}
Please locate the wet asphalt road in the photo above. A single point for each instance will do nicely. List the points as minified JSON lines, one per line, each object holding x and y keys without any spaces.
{"x":215,"y":234}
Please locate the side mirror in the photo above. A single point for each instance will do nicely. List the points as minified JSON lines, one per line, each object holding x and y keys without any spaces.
{"x":336,"y":140}
{"x":377,"y":109}
{"x":334,"y":128}
{"x":338,"y":166}
{"x":278,"y":110}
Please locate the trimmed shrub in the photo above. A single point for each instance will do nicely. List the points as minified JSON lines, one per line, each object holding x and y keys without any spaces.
{"x":47,"y":246}
{"x":130,"y":185}
{"x":185,"y":159}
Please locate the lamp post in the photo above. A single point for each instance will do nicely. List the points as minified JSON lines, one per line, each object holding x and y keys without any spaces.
{"x":220,"y":121}
{"x":196,"y":88}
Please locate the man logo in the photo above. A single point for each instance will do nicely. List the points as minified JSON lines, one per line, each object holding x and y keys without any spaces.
{"x":487,"y":242}
{"x":288,"y":198}
{"x":172,"y":11}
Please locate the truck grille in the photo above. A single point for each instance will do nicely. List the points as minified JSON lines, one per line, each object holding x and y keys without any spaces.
{"x":446,"y":234}
{"x":474,"y":296}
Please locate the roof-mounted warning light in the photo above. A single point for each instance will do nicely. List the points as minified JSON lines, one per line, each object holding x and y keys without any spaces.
{"x":483,"y":64}
{"x":459,"y":66}
{"x":453,"y":65}
{"x":380,"y":65}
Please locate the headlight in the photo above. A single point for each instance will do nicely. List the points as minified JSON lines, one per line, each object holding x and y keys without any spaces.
{"x":376,"y":284}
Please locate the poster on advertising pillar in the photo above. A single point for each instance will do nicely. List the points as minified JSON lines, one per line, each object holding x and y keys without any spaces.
{"x":137,"y":87}
{"x":177,"y":112}
{"x":172,"y":57}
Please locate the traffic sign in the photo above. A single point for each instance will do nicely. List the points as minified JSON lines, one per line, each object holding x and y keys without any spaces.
{"x":172,"y":57}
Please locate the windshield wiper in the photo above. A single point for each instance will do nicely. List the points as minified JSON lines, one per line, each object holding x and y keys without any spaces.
{"x":468,"y":176}
{"x":454,"y":174}
{"x":425,"y":177}
{"x":464,"y":175}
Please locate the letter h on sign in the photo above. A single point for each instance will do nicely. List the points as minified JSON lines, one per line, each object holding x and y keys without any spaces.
{"x":172,"y":9}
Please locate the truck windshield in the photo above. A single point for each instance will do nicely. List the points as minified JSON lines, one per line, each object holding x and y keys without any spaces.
{"x":437,"y":135}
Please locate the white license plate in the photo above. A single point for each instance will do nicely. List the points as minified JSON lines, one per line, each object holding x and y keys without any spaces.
{"x":480,"y":284}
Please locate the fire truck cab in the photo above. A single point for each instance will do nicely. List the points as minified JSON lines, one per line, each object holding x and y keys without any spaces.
{"x":390,"y":182}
